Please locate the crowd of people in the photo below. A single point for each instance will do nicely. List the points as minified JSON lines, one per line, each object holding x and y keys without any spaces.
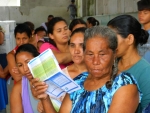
{"x":110,"y":64}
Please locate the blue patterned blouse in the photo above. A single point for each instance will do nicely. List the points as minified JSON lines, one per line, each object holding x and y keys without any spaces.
{"x":97,"y":101}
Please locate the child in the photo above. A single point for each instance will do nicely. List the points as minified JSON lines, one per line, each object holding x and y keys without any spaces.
{"x":73,"y":10}
{"x":144,"y":19}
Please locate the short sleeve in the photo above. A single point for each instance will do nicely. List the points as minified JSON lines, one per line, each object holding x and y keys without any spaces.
{"x":45,"y":46}
{"x":125,"y":79}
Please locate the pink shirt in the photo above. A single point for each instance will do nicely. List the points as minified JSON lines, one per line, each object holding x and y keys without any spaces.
{"x":45,"y":46}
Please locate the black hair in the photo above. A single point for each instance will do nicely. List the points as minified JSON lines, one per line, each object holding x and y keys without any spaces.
{"x":50,"y":16}
{"x":51,"y":25}
{"x":78,"y":30}
{"x":143,"y":5}
{"x":74,"y":22}
{"x":93,"y":21}
{"x":127,"y":24}
{"x":39,"y":29}
{"x":30,"y":25}
{"x":27,"y":48}
{"x":23,"y":28}
{"x":72,"y":1}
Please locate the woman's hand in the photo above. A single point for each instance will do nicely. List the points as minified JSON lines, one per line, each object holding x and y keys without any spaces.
{"x":15,"y":70}
{"x":39,"y":88}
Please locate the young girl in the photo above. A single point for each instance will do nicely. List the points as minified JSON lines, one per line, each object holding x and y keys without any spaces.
{"x":21,"y":93}
{"x":59,"y":35}
{"x":22,"y":35}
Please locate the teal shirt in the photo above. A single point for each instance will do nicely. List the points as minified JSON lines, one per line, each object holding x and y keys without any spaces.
{"x":141,"y":72}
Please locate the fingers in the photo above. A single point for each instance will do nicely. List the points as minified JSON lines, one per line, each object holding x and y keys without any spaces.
{"x":38,"y":87}
{"x":15,"y":70}
{"x":41,"y":89}
{"x":35,"y":80}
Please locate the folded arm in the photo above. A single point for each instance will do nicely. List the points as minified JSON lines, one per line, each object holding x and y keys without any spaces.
{"x":11,"y":65}
{"x":62,"y":57}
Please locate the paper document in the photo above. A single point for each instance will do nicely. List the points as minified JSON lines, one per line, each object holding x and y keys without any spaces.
{"x":46,"y":68}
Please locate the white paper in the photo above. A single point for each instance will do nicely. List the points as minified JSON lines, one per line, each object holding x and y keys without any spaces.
{"x":46,"y":68}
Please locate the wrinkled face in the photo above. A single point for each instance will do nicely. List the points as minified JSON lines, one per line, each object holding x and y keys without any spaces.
{"x":60,"y":33}
{"x":76,"y":48}
{"x":22,"y":38}
{"x":99,"y":57}
{"x":78,"y":26}
{"x":144,"y":16}
{"x":22,"y":60}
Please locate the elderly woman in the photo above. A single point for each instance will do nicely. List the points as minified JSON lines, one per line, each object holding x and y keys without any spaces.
{"x":102,"y":89}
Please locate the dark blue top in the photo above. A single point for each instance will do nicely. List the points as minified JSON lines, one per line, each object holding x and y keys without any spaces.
{"x":3,"y":86}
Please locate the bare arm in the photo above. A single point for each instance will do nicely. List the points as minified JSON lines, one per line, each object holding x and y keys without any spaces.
{"x":125,"y":100}
{"x":48,"y":106}
{"x":12,"y":64}
{"x":65,"y":107}
{"x":15,"y":99}
{"x":62,"y":57}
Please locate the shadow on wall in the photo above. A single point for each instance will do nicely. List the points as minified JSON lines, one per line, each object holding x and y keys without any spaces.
{"x":103,"y":19}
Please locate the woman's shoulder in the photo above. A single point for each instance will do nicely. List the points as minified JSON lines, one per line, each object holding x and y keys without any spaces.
{"x":46,"y":45}
{"x":81,"y":78}
{"x":17,"y":87}
{"x":141,"y":64}
{"x":140,"y":69}
{"x":125,"y":78}
{"x":11,"y":53}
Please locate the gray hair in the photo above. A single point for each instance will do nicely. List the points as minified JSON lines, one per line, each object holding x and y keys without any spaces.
{"x":104,"y":32}
{"x":111,"y":36}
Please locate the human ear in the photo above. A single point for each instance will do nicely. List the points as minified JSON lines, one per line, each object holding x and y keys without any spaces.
{"x":51,"y":36}
{"x":130,"y":39}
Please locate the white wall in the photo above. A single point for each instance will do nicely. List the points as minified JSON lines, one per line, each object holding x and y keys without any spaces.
{"x":35,"y":11}
{"x":107,"y":7}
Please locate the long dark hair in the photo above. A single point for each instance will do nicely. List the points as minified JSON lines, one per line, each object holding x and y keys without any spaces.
{"x":127,"y":24}
{"x":51,"y":25}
